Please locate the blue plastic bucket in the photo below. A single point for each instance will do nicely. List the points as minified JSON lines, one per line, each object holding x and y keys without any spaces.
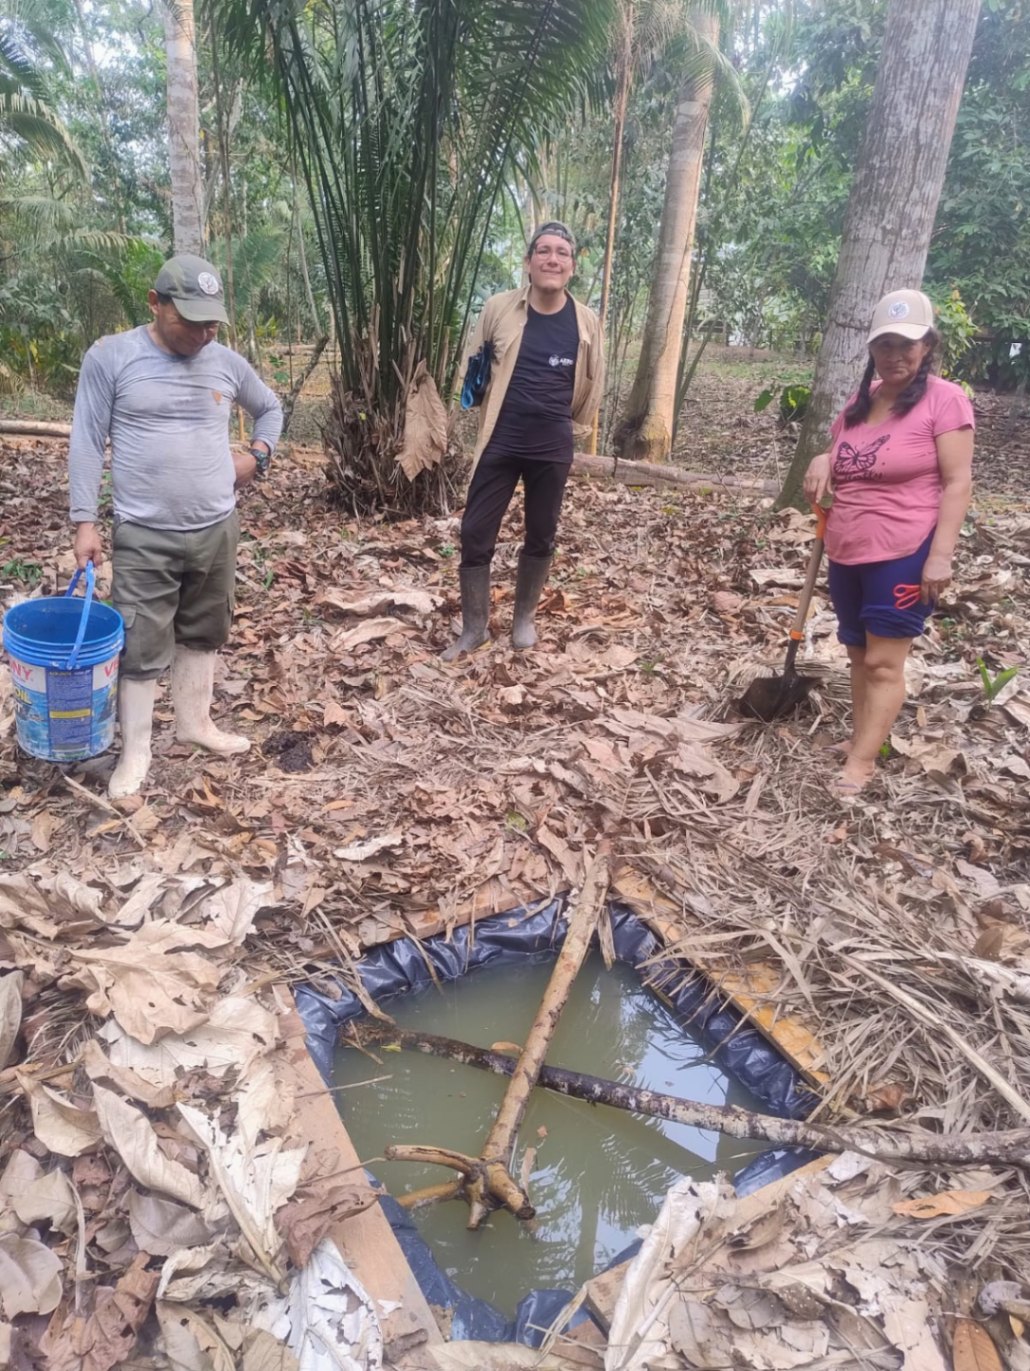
{"x":63,"y":654}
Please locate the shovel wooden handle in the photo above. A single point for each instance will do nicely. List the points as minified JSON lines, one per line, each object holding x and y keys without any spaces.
{"x":797,"y":628}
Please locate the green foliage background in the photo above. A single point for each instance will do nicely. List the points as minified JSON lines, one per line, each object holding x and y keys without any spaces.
{"x":84,"y":203}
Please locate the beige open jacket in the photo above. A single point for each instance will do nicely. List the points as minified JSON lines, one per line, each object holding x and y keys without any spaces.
{"x":502,"y":321}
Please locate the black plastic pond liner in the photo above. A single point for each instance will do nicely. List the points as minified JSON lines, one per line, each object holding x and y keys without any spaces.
{"x":534,"y":935}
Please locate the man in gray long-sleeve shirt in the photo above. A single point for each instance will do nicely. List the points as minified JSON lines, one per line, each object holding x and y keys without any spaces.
{"x":162,"y":394}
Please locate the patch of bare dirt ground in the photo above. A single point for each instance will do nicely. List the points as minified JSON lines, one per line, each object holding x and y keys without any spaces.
{"x":140,"y":946}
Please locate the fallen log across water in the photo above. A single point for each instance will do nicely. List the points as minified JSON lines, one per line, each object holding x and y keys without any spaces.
{"x":956,"y":1150}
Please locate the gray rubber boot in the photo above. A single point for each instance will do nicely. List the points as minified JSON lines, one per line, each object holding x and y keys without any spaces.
{"x":475,"y":612}
{"x":529,"y":585}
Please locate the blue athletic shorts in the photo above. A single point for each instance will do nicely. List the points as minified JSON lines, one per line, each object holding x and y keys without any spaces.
{"x":880,"y":597}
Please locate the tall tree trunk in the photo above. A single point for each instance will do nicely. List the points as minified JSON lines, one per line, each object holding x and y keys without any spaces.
{"x":624,"y":70}
{"x":187,"y":178}
{"x":893,"y":200}
{"x":646,"y":430}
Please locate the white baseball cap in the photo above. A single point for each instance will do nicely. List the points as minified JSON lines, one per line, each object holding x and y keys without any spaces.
{"x":908,"y":313}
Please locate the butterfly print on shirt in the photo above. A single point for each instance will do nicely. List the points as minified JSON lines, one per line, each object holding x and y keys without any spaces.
{"x":854,"y":463}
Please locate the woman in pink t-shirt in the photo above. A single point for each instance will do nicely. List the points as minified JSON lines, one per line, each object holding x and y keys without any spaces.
{"x":900,"y":469}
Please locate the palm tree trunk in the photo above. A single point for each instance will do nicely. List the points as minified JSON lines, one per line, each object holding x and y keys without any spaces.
{"x":187,"y":178}
{"x":646,"y":430}
{"x":893,"y":200}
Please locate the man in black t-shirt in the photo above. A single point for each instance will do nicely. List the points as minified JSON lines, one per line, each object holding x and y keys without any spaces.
{"x":547,"y":377}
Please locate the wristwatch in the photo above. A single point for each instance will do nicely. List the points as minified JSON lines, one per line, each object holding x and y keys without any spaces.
{"x":262,"y":458}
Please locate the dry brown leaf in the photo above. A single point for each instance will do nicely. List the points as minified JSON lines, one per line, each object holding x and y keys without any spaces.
{"x":230,"y":911}
{"x":10,"y":1014}
{"x":190,"y":1342}
{"x":1002,"y":942}
{"x":887,"y":1097}
{"x":265,"y":1101}
{"x":934,"y":756}
{"x":944,"y":1202}
{"x":49,"y":1198}
{"x":151,"y":988}
{"x":973,"y":1348}
{"x":237,"y":1032}
{"x":58,"y":1124}
{"x":21,"y":1171}
{"x":512,"y":1048}
{"x":316,"y":1205}
{"x":98,"y":1068}
{"x":255,"y":1181}
{"x":368,"y":631}
{"x":425,"y":425}
{"x":105,"y":1339}
{"x":263,"y":1352}
{"x":571,"y":862}
{"x":162,"y":1227}
{"x":71,"y":897}
{"x":22,"y":905}
{"x":419,"y":600}
{"x":727,"y":602}
{"x":130,"y":1134}
{"x":30,"y":1277}
{"x":44,"y":826}
{"x":360,"y":852}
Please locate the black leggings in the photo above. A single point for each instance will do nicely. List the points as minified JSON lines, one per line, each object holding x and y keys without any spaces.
{"x":490,"y":494}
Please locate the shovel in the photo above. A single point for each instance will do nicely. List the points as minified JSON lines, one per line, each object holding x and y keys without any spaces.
{"x":772,"y":697}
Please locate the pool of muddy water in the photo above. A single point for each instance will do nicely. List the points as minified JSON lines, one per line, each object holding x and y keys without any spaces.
{"x":595,"y":1174}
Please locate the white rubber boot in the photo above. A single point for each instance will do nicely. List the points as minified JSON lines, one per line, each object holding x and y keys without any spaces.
{"x":193,"y":686}
{"x":136,"y":718}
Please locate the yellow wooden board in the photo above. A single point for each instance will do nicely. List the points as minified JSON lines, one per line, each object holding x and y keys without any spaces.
{"x":366,"y":1241}
{"x":752,"y":990}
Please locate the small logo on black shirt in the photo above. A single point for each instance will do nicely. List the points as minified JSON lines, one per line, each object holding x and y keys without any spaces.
{"x":557,"y":361}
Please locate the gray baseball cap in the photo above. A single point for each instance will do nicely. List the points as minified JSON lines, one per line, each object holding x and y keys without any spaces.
{"x":196,"y":288}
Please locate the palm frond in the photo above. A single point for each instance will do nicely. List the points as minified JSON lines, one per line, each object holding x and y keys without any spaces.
{"x":27,"y":114}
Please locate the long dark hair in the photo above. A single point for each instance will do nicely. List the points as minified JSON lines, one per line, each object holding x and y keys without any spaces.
{"x":858,"y":411}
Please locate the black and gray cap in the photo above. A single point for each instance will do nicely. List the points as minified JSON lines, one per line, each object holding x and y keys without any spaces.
{"x":196,"y":288}
{"x":556,"y":228}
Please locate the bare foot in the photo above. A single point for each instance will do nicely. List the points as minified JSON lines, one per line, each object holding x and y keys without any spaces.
{"x":853,"y":778}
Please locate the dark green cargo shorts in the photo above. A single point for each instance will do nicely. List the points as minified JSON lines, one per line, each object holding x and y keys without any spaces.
{"x":173,"y":587}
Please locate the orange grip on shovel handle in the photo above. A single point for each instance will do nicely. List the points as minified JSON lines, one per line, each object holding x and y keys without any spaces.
{"x":797,"y":628}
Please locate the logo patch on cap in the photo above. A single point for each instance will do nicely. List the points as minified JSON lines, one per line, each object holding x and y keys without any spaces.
{"x":899,"y":310}
{"x":210,"y":285}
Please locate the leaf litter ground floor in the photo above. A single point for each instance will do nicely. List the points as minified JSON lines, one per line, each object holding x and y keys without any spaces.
{"x":153,"y":1089}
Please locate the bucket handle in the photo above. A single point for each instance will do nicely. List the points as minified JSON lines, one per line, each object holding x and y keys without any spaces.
{"x":91,"y":580}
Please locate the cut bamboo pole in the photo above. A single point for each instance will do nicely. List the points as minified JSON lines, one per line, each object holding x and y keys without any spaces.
{"x":1007,"y":1148}
{"x":487,"y":1180}
{"x":501,"y":1139}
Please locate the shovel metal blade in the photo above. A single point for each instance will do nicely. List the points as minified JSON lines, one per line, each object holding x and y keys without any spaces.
{"x":774,"y":697}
